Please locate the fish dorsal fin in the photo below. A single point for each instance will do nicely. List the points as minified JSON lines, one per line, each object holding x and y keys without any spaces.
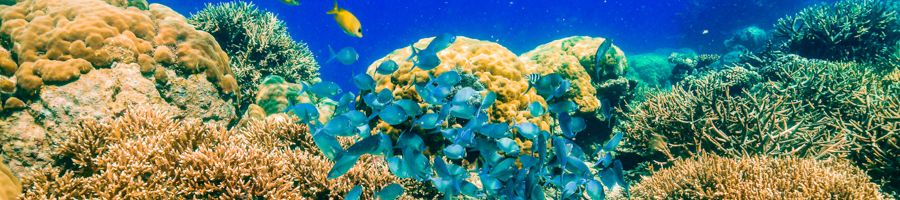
{"x":334,"y":10}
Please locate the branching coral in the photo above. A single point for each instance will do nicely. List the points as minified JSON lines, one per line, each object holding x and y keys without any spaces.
{"x":54,"y":42}
{"x":258,"y":43}
{"x":758,"y":177}
{"x":146,"y":154}
{"x":862,"y":30}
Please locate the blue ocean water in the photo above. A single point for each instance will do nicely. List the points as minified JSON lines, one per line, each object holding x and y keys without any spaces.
{"x":636,"y":26}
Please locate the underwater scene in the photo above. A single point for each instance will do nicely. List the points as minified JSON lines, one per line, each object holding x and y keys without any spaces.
{"x":453,"y":99}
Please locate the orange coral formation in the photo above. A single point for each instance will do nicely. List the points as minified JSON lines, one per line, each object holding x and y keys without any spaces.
{"x":10,"y":187}
{"x":714,"y":177}
{"x":573,"y":57}
{"x":493,"y":66}
{"x":56,"y":41}
{"x":145,"y":154}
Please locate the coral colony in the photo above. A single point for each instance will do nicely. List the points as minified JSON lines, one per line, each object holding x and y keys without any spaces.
{"x":121,"y":99}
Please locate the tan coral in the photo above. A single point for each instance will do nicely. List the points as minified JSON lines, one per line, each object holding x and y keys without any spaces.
{"x":13,"y":103}
{"x":57,"y":35}
{"x":495,"y":67}
{"x":10,"y":187}
{"x":714,"y":177}
{"x":573,"y":57}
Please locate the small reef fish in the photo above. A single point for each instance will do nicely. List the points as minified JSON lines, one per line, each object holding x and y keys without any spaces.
{"x":600,"y":56}
{"x":387,"y":67}
{"x":427,"y":59}
{"x":346,"y":56}
{"x":291,"y":2}
{"x":347,"y":21}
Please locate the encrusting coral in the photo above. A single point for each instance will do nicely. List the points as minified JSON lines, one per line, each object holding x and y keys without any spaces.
{"x":146,"y":154}
{"x":258,"y":43}
{"x":56,"y":41}
{"x":757,"y":177}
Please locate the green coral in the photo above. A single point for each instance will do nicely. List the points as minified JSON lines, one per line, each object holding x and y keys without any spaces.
{"x":860,"y":30}
{"x":7,"y":2}
{"x":651,"y":69}
{"x":258,"y":43}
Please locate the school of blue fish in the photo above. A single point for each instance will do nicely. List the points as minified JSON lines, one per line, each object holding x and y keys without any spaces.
{"x":505,"y":171}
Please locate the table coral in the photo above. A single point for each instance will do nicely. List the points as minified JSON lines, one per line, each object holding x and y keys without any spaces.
{"x":758,"y":177}
{"x":57,"y":41}
{"x":493,"y":66}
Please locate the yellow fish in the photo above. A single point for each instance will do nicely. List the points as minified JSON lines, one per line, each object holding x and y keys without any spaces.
{"x":291,"y":2}
{"x":347,"y":21}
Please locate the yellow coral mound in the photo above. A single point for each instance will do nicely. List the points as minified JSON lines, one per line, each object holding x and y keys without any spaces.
{"x":495,"y":68}
{"x":573,"y":57}
{"x":714,"y":177}
{"x":10,"y":187}
{"x":145,"y":154}
{"x":56,"y":41}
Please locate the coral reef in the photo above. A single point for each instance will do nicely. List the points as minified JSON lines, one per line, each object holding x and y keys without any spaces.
{"x":573,"y":57}
{"x":714,"y":177}
{"x":751,"y":38}
{"x":687,"y":64}
{"x":258,"y":43}
{"x":275,"y":94}
{"x":10,"y":187}
{"x":46,"y":32}
{"x":483,"y":66}
{"x":653,"y":70}
{"x":861,"y":30}
{"x":147,"y":154}
{"x":65,"y":61}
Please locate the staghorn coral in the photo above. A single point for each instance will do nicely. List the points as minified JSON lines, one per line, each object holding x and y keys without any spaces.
{"x":717,"y":114}
{"x":861,"y":30}
{"x":258,"y":43}
{"x":484,"y":66}
{"x":757,"y":177}
{"x":57,"y":41}
{"x":146,"y":154}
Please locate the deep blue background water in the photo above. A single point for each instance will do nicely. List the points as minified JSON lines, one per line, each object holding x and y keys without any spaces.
{"x":635,"y":25}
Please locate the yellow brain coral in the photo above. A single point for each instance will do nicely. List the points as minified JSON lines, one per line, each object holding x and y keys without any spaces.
{"x":495,"y":68}
{"x":56,"y":41}
{"x":10,"y":187}
{"x":573,"y":57}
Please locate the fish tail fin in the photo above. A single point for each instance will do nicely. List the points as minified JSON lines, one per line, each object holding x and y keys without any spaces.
{"x":334,"y":10}
{"x":331,"y":52}
{"x":414,"y":53}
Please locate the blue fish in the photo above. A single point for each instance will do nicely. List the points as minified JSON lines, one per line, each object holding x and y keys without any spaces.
{"x":604,"y":160}
{"x":577,"y":124}
{"x":528,"y":130}
{"x":325,"y":89}
{"x":498,"y":130}
{"x":576,"y":166}
{"x":504,"y":170}
{"x":429,"y":121}
{"x":411,"y":107}
{"x":416,"y":164}
{"x":425,"y":61}
{"x":613,"y":142}
{"x":455,"y":151}
{"x":463,"y":110}
{"x":489,"y":184}
{"x":346,"y":103}
{"x":600,"y":56}
{"x":368,"y":145}
{"x":390,"y":192}
{"x":594,"y":190}
{"x":565,"y":124}
{"x":536,"y":109}
{"x":548,"y":84}
{"x":338,"y":126}
{"x":393,"y":114}
{"x":488,"y":100}
{"x":464,"y":95}
{"x":354,"y":193}
{"x":566,"y":106}
{"x":387,"y":67}
{"x":409,"y":140}
{"x":342,"y":165}
{"x":449,"y":78}
{"x":328,"y":144}
{"x":508,"y":146}
{"x":364,"y":82}
{"x":346,"y":55}
{"x":356,"y":118}
{"x":307,"y":113}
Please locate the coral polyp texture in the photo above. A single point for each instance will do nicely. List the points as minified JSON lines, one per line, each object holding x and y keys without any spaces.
{"x":146,"y":154}
{"x":65,"y":61}
{"x":757,"y":177}
{"x":10,"y":187}
{"x":573,"y":57}
{"x":862,"y":30}
{"x":484,"y":66}
{"x":259,"y":45}
{"x":46,"y":37}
